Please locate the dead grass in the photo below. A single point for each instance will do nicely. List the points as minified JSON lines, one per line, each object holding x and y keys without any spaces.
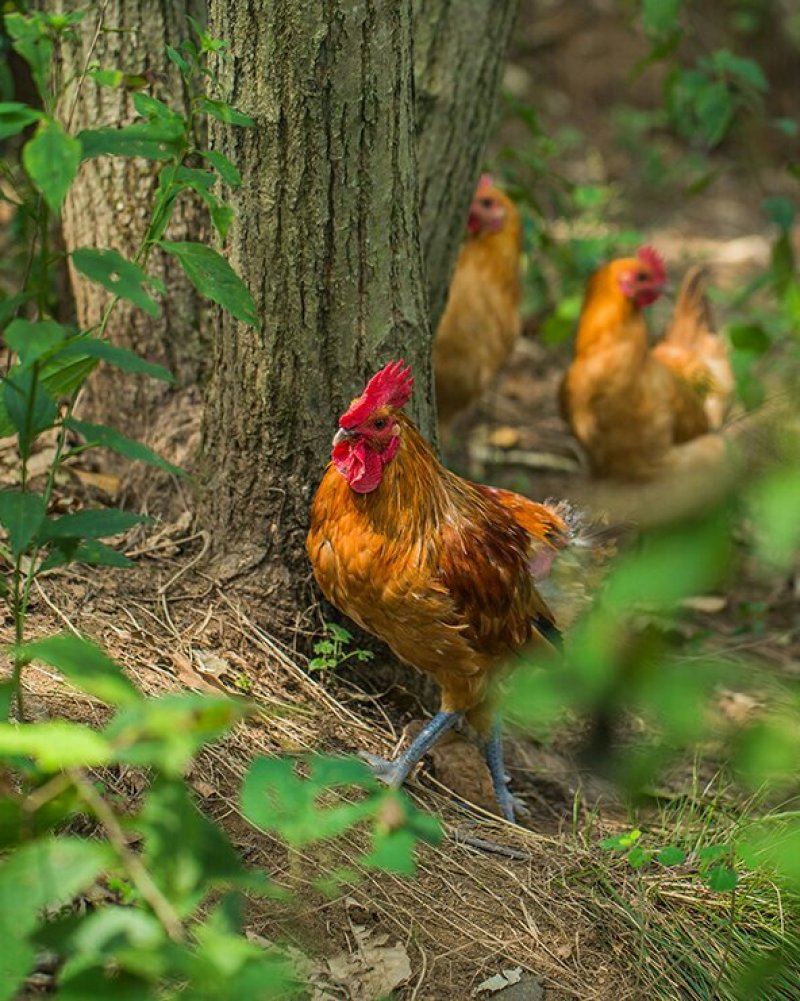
{"x":584,"y":922}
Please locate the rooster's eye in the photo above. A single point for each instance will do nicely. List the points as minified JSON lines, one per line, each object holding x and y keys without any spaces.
{"x":380,"y":424}
{"x":486,"y":203}
{"x":642,"y":276}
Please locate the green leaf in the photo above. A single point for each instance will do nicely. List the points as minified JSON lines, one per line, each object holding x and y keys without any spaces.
{"x":106,"y":437}
{"x":175,"y":57}
{"x":86,"y":666}
{"x":33,"y":339}
{"x":97,"y":523}
{"x":224,"y":167}
{"x":225,"y":113}
{"x":156,"y":140}
{"x":660,"y":18}
{"x":21,"y":514}
{"x":29,"y":407}
{"x":213,"y":277}
{"x":744,"y":70}
{"x":671,"y":855}
{"x":91,"y":551}
{"x":722,"y":878}
{"x":750,"y":337}
{"x":122,"y":277}
{"x":121,"y":357}
{"x":781,"y":211}
{"x":52,"y":159}
{"x":31,"y":42}
{"x":46,"y":873}
{"x":715,"y":110}
{"x":152,"y":108}
{"x":15,"y":116}
{"x":167,"y":732}
{"x":56,"y":744}
{"x":222,"y":217}
{"x":275,"y":798}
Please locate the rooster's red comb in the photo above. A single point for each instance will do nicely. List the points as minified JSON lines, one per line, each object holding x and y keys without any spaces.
{"x":651,"y":257}
{"x":485,"y":181}
{"x":391,"y":387}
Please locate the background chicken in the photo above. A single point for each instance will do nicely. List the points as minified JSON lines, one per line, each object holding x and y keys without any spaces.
{"x":481,"y":321}
{"x":633,"y":408}
{"x":441,"y":569}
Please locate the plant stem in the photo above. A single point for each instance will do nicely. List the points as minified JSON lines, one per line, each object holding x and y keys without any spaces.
{"x":139,"y":876}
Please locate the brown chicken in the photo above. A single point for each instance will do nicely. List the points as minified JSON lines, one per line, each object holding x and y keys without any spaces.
{"x":631,"y":407}
{"x":481,"y":322}
{"x":446,"y":572}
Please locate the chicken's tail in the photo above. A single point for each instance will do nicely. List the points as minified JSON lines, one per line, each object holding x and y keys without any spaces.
{"x":694,"y":351}
{"x":581,"y":563}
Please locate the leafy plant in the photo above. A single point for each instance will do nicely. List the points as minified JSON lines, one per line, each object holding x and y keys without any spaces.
{"x":332,"y":652}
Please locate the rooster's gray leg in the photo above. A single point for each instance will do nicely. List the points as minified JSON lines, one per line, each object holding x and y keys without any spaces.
{"x":394,"y":773}
{"x":493,"y":750}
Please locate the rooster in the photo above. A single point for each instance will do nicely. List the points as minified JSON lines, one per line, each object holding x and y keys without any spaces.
{"x":448,"y":573}
{"x":633,"y":408}
{"x":481,"y":322}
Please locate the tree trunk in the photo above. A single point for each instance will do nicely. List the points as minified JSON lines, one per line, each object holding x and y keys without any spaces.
{"x":326,"y":237}
{"x":459,"y":55}
{"x":111,"y":201}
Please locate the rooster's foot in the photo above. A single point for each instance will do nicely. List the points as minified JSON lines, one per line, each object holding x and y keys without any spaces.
{"x":394,"y":773}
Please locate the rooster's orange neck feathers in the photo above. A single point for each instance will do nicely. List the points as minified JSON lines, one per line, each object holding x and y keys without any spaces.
{"x":608,"y":315}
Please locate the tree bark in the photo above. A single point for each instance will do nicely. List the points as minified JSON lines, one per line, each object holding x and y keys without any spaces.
{"x":459,"y":55}
{"x":111,"y":202}
{"x":326,"y":237}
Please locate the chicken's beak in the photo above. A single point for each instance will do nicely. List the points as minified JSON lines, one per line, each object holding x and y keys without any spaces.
{"x":341,"y":436}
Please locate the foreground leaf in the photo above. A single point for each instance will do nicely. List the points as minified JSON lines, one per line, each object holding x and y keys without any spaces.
{"x":213,"y":277}
{"x":156,"y":140}
{"x":15,"y":116}
{"x":56,"y":744}
{"x":33,"y":339}
{"x":86,"y":665}
{"x":29,"y":407}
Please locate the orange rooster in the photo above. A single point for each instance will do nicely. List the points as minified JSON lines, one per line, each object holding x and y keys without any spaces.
{"x":633,"y":408}
{"x":446,"y":572}
{"x":481,"y":322}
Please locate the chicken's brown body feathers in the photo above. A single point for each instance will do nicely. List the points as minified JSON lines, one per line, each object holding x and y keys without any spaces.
{"x":629,"y":405}
{"x":433,"y":565}
{"x":481,"y":322}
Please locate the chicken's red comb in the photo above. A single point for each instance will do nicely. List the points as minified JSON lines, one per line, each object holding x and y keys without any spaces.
{"x":391,"y":387}
{"x":485,"y":181}
{"x":651,"y":257}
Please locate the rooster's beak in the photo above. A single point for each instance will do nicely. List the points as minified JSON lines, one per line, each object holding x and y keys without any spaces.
{"x":342,"y":435}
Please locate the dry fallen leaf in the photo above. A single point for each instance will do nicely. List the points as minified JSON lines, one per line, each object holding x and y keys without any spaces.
{"x":105,"y":483}
{"x":737,"y":707}
{"x":211,"y":664}
{"x":374,"y":970}
{"x":504,"y":437}
{"x":564,"y":951}
{"x":500,"y":981}
{"x":188,"y":675}
{"x":708,"y":603}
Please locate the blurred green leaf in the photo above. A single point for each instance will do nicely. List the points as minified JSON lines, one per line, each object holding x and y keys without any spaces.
{"x":33,"y":44}
{"x":86,"y":665}
{"x":55,"y":745}
{"x":227,"y":170}
{"x":722,"y":878}
{"x":15,"y":116}
{"x":661,"y":18}
{"x":781,"y":211}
